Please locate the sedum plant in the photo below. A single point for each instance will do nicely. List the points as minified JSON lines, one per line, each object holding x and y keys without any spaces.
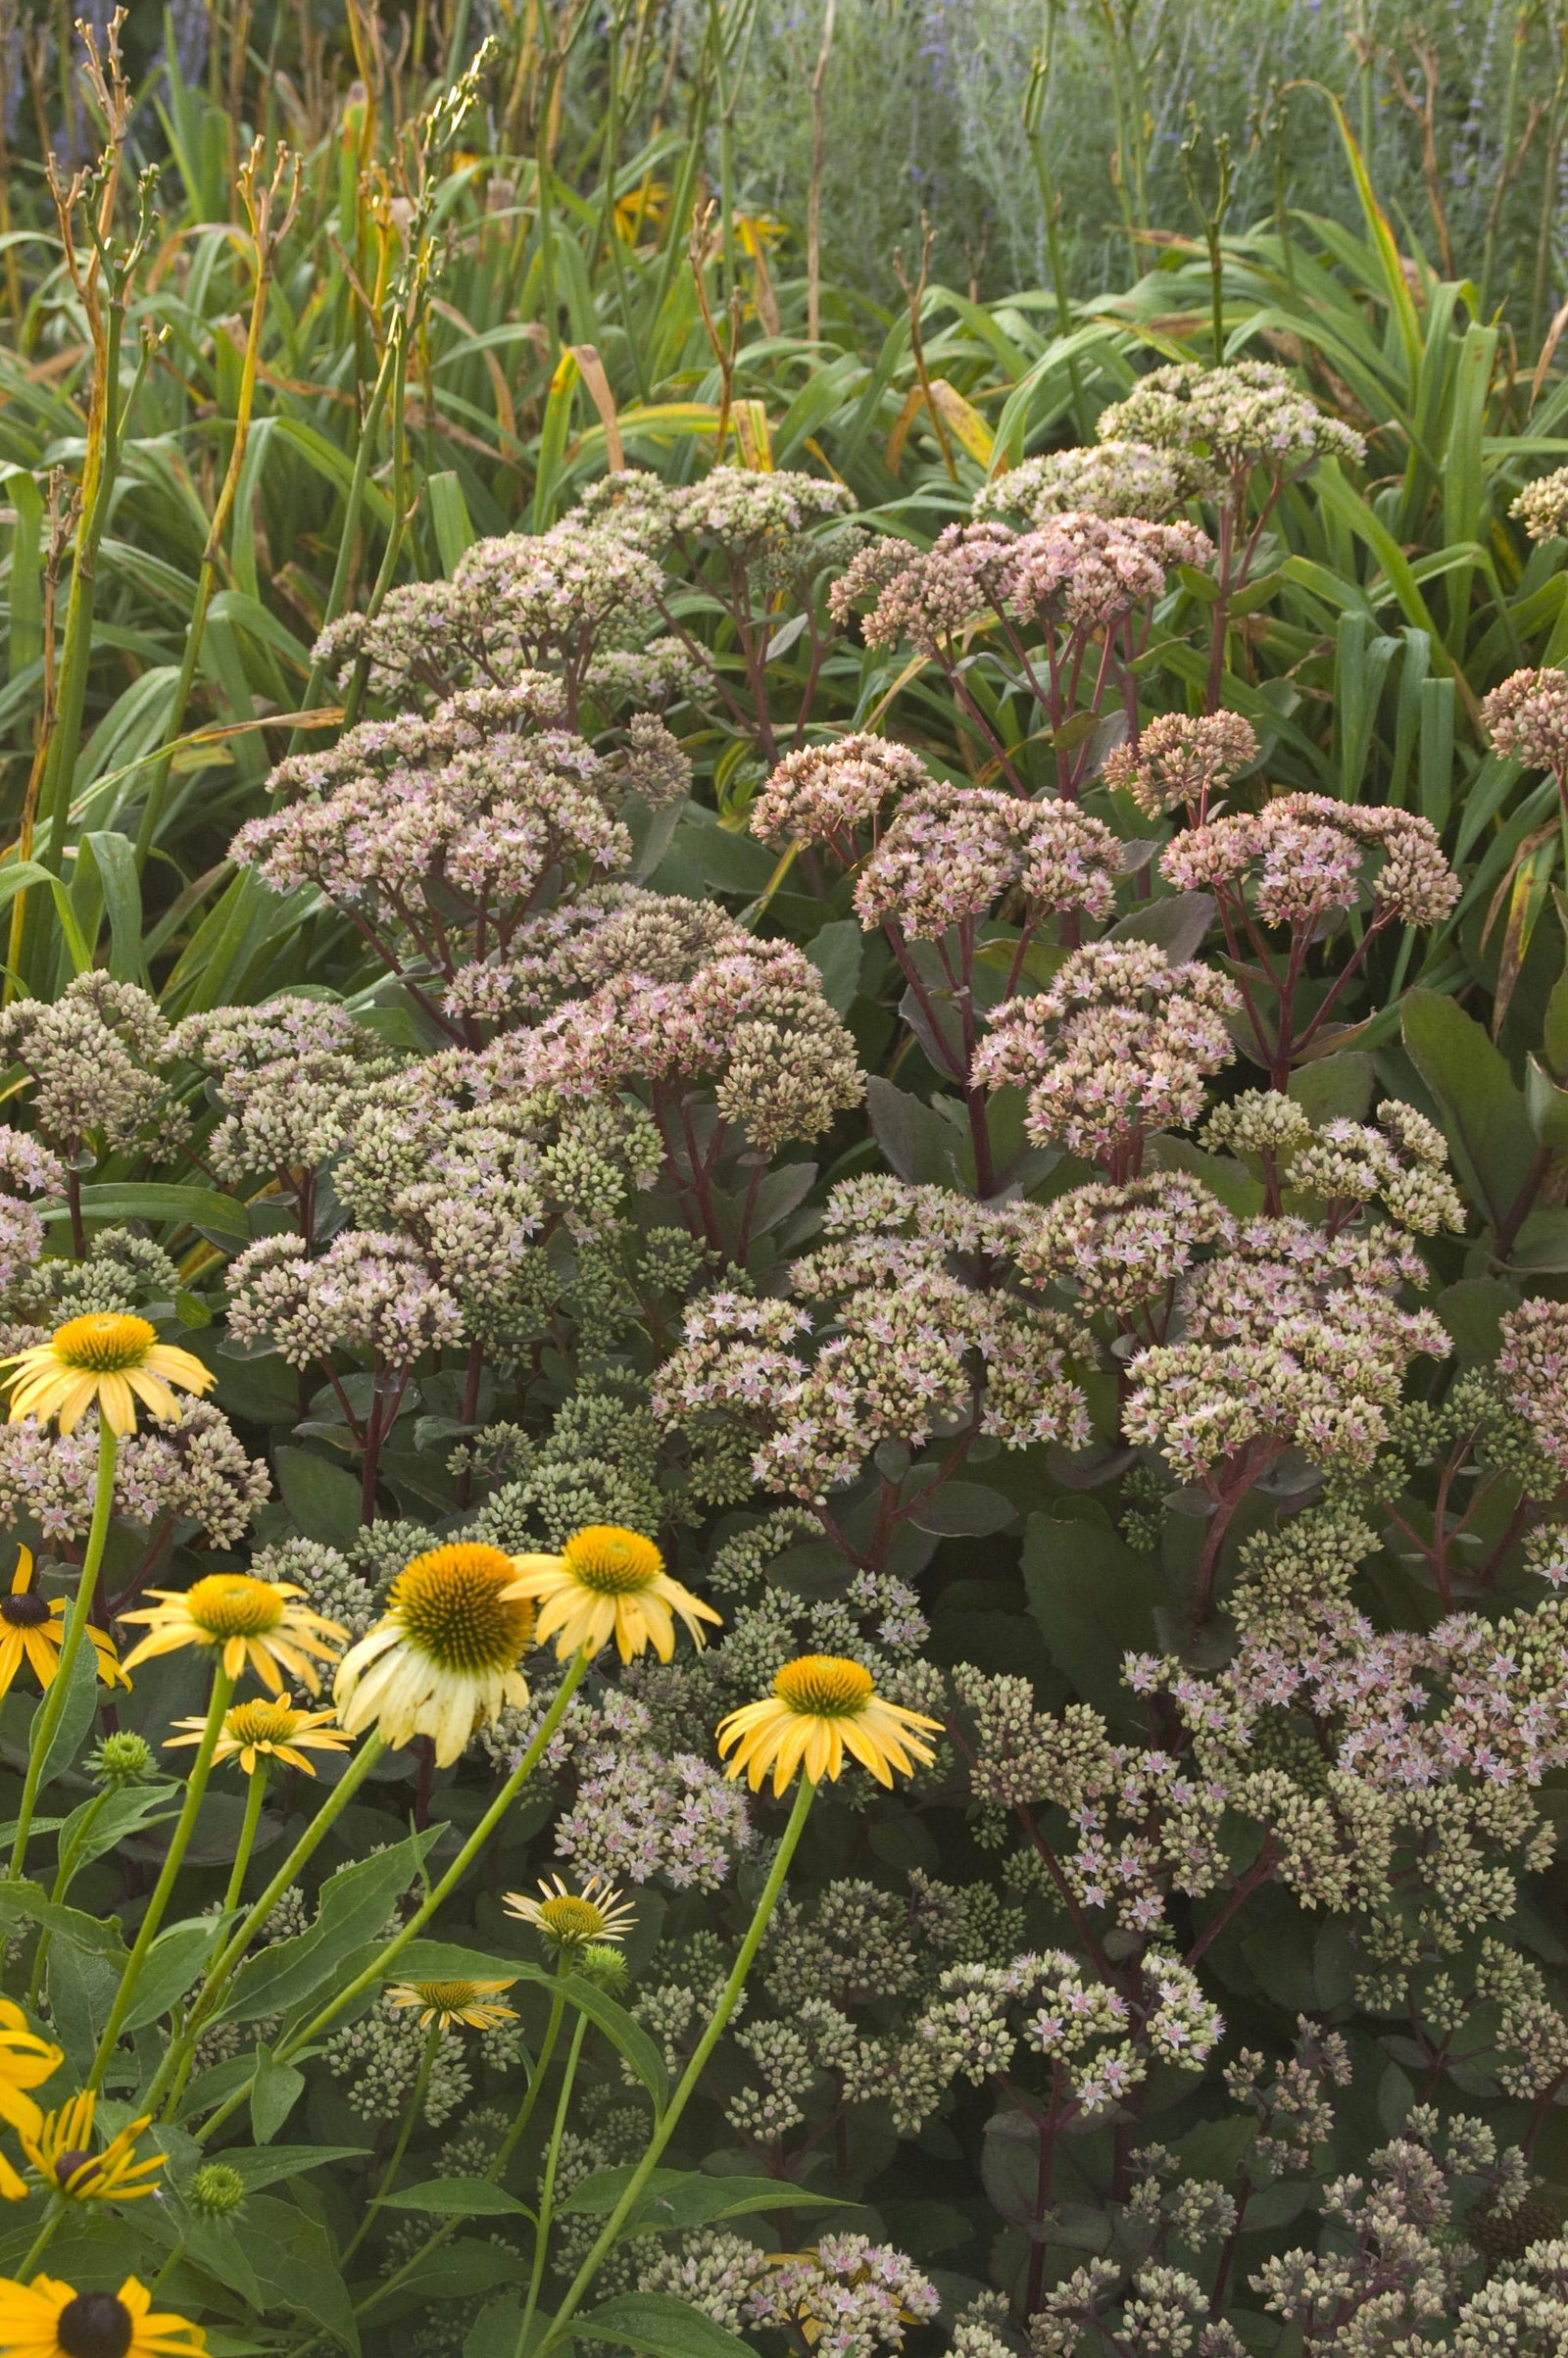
{"x":786,"y":1444}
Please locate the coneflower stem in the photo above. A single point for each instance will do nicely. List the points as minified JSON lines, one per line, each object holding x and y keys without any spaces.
{"x":547,"y":2184}
{"x":668,"y":2120}
{"x":411,"y":2115}
{"x":163,"y":1890}
{"x":52,"y":2221}
{"x":437,"y":1894}
{"x":503,"y":2154}
{"x":46,"y":1719}
{"x":255,"y":1796}
{"x":176,"y":2066}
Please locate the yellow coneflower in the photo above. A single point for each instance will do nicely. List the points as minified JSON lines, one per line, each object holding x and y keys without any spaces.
{"x":576,"y":1919}
{"x":32,"y":1630}
{"x":47,"y":2319}
{"x":61,"y":2151}
{"x":451,"y":2003}
{"x":267,"y":1728}
{"x":444,"y":1658}
{"x":608,"y":1583}
{"x":108,"y":1356}
{"x":244,"y":1621}
{"x":822,"y":1707}
{"x":26,"y":2061}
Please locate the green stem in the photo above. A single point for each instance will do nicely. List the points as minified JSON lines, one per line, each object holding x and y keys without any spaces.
{"x":547,"y":2184}
{"x":411,"y":2115}
{"x":47,"y":1717}
{"x":176,"y":2254}
{"x":255,"y":1796}
{"x":342,"y":572}
{"x":53,"y":2221}
{"x":401,"y":512}
{"x":728,"y":2001}
{"x":503,"y":2152}
{"x":437,"y":1896}
{"x":726,"y":147}
{"x":163,"y":1890}
{"x":176,"y":2067}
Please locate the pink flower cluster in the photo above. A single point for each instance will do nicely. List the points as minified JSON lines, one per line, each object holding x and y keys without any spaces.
{"x":1533,"y":1366}
{"x":826,"y":793}
{"x":1303,"y":854}
{"x":901,"y":1348}
{"x":1075,"y":570}
{"x":522,"y":602}
{"x":679,"y":994}
{"x":1121,"y":1249}
{"x":1527,"y":716}
{"x":1293,"y":1338}
{"x":366,"y":1292}
{"x":953,"y":851}
{"x":1118,"y":1047}
{"x":404,"y":816}
{"x":1182,"y":757}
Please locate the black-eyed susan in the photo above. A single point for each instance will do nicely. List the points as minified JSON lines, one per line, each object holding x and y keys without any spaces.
{"x":104,"y":1356}
{"x":61,"y":2151}
{"x":47,"y":2319}
{"x":569,"y":1919}
{"x":244,"y":1621}
{"x":449,"y":2003}
{"x":822,"y":1707}
{"x":269,"y":1728}
{"x":26,"y":2061}
{"x":608,"y":1583}
{"x":444,"y":1658}
{"x":32,"y":1630}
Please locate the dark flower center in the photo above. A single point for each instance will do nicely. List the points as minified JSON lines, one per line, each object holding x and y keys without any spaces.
{"x":68,"y":2164}
{"x":28,"y":1611}
{"x":95,"y":2325}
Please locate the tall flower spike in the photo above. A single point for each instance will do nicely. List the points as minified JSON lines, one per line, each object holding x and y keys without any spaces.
{"x":107,"y":1357}
{"x":444,"y":1657}
{"x":608,"y":1583}
{"x":32,"y":1630}
{"x":822,"y":1707}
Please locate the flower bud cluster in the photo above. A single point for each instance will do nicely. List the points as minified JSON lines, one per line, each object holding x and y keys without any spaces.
{"x":1246,"y":414}
{"x":289,"y":1077}
{"x":1527,"y":719}
{"x":96,"y":1058}
{"x":897,"y":1348}
{"x":1106,"y":479}
{"x":1182,"y":759}
{"x":368,"y":1291}
{"x":1543,"y":506}
{"x":1073,"y":570}
{"x":720,"y":1005}
{"x":545,"y":602}
{"x":826,"y":793}
{"x":189,"y":1477}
